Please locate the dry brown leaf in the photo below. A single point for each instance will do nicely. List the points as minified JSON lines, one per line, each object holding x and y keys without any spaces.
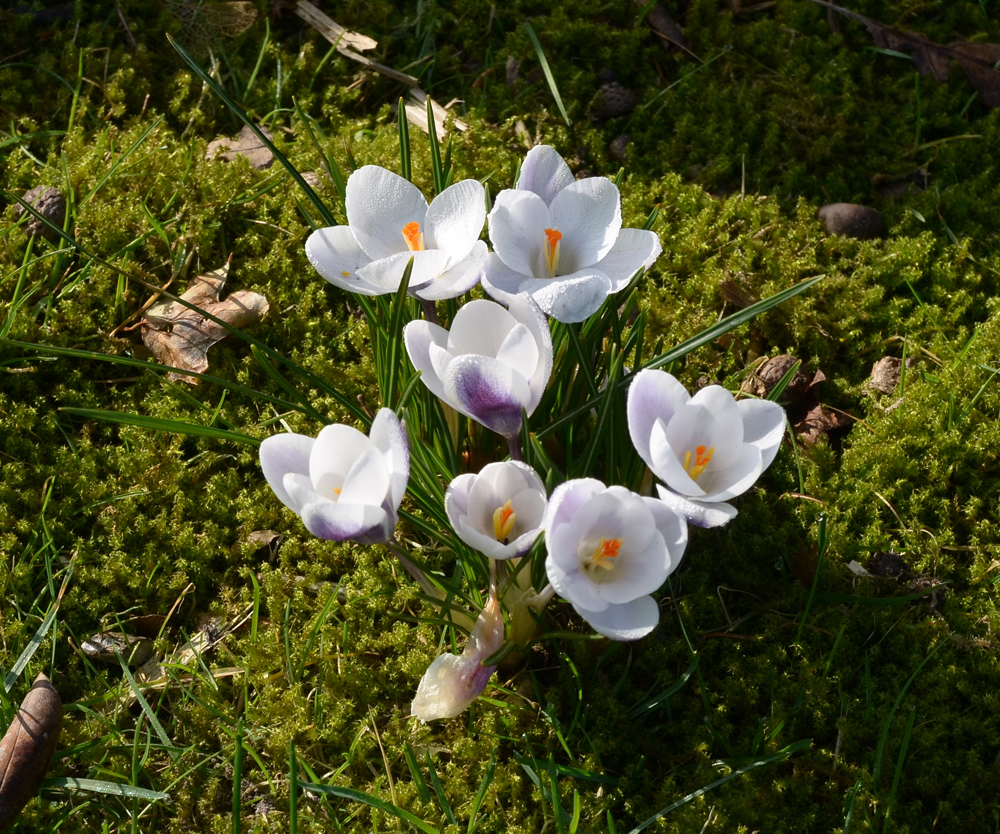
{"x":977,"y":59}
{"x":180,"y":337}
{"x":247,"y":144}
{"x":27,"y":747}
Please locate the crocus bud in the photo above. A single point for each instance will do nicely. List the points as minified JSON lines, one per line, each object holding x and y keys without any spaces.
{"x":452,"y":682}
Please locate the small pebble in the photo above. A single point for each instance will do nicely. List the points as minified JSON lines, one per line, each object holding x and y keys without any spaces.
{"x":852,"y":220}
{"x":619,"y":147}
{"x":612,"y":100}
{"x":50,"y":203}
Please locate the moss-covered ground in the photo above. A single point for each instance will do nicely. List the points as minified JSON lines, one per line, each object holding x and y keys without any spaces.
{"x":834,"y":701}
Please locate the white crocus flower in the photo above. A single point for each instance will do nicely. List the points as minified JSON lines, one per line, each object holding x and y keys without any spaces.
{"x":452,"y":682}
{"x":707,"y":448}
{"x":560,"y":240}
{"x":389,"y":222}
{"x":491,"y":364}
{"x":498,"y":511}
{"x":344,"y":485}
{"x":608,"y":550}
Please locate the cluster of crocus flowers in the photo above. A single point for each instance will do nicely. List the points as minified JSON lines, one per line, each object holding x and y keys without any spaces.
{"x":559,"y":250}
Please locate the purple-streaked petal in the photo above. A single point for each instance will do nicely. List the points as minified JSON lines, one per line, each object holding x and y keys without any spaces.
{"x":634,"y":249}
{"x":386,"y":274}
{"x":338,"y":522}
{"x":588,"y":214}
{"x":517,"y":227}
{"x":544,"y":172}
{"x":487,"y":391}
{"x":696,"y":513}
{"x":419,"y":336}
{"x":389,"y":436}
{"x":282,"y":454}
{"x":570,"y":298}
{"x":628,"y":621}
{"x":455,"y":219}
{"x":335,"y":254}
{"x":336,"y":449}
{"x":653,"y":394}
{"x":379,"y":204}
{"x":457,"y":279}
{"x":763,"y":426}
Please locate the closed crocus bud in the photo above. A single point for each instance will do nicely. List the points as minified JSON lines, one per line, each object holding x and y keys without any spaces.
{"x":560,"y":241}
{"x":707,"y":448}
{"x":345,"y":486}
{"x":499,"y":511}
{"x":608,"y":550}
{"x":490,"y":366}
{"x":389,"y":222}
{"x":452,"y":682}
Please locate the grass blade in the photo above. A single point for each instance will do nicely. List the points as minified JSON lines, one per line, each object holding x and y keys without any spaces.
{"x":161,"y":424}
{"x":373,"y":801}
{"x":109,"y":788}
{"x":548,"y":72}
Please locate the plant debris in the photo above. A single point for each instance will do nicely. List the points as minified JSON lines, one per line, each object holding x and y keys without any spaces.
{"x":48,"y":202}
{"x":180,"y":337}
{"x":247,"y":144}
{"x":977,"y":59}
{"x":27,"y":747}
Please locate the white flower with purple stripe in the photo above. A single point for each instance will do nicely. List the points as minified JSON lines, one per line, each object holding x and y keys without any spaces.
{"x":389,"y":222}
{"x":345,"y":486}
{"x":707,"y":448}
{"x":490,"y":366}
{"x":560,"y":240}
{"x":608,"y":550}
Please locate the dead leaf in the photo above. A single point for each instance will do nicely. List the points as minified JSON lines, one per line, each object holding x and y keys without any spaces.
{"x":180,"y":337}
{"x":977,"y":59}
{"x":27,"y":747}
{"x":247,"y":143}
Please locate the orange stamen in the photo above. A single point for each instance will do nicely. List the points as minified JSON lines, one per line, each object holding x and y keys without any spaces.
{"x":503,"y":522}
{"x":414,"y":237}
{"x":552,"y":238}
{"x":702,"y":457}
{"x":606,"y":550}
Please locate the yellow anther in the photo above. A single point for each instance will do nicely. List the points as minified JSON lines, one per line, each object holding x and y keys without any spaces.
{"x":414,"y":237}
{"x":605,"y":552}
{"x":702,"y":457}
{"x":552,"y":238}
{"x":503,"y":522}
{"x":345,"y":273}
{"x":337,"y":491}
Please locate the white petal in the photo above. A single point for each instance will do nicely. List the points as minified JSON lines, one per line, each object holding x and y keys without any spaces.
{"x":672,"y":527}
{"x":336,"y":449}
{"x":563,"y":569}
{"x":300,"y":490}
{"x":386,"y":274}
{"x":735,"y":479}
{"x":544,"y":172}
{"x":711,"y":419}
{"x":629,"y":621}
{"x":667,"y":466}
{"x":588,"y":214}
{"x":419,"y":336}
{"x":517,"y":226}
{"x":634,"y":249}
{"x":335,"y":254}
{"x":282,"y":454}
{"x":570,"y":298}
{"x":480,"y":327}
{"x":566,"y":500}
{"x":652,"y":394}
{"x":696,"y":513}
{"x":457,"y":279}
{"x":379,"y":204}
{"x":367,"y":480}
{"x":527,"y":312}
{"x":456,"y":498}
{"x":455,"y":219}
{"x":485,"y":544}
{"x":389,"y":436}
{"x":499,"y":280}
{"x":519,"y":350}
{"x":764,"y":426}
